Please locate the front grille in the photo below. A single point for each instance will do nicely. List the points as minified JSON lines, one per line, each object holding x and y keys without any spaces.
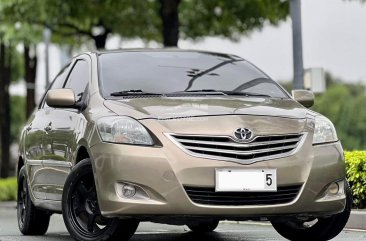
{"x":208,"y":196}
{"x":225,"y":147}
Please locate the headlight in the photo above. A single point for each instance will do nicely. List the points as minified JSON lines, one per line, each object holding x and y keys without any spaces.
{"x":324,"y":130}
{"x":121,"y":129}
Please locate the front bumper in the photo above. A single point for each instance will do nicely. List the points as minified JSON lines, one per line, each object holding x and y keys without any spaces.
{"x":162,"y":172}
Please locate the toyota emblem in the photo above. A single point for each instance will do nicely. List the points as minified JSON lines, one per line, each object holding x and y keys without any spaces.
{"x":243,"y":134}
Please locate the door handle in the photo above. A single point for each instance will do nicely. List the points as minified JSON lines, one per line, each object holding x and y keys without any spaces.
{"x":49,"y":127}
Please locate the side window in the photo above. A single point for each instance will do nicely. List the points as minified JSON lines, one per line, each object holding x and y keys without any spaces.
{"x":60,"y":78}
{"x":78,"y":78}
{"x":57,"y":83}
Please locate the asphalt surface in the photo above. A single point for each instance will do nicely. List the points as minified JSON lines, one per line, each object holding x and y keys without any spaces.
{"x":249,"y":231}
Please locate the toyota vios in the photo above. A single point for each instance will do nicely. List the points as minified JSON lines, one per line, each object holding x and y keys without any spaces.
{"x":179,"y":137}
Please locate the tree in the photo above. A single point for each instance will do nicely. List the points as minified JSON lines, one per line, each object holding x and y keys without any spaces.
{"x":5,"y":75}
{"x":17,"y":116}
{"x":28,"y":36}
{"x":160,"y":20}
{"x":230,"y":19}
{"x":170,"y":22}
{"x":30,"y":68}
{"x":85,"y":19}
{"x":10,"y":63}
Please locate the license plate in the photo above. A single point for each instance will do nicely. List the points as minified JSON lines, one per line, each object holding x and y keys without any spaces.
{"x":244,"y":180}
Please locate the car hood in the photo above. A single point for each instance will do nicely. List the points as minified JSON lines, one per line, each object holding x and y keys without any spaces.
{"x":180,"y":107}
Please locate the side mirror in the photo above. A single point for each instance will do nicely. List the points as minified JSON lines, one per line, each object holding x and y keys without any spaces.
{"x":304,"y":97}
{"x":61,"y":98}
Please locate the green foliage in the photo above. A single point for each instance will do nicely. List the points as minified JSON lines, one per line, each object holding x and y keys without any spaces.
{"x":17,"y":67}
{"x":13,"y":29}
{"x":231,"y":19}
{"x":76,"y":21}
{"x":8,"y":189}
{"x":17,"y":116}
{"x":356,"y":175}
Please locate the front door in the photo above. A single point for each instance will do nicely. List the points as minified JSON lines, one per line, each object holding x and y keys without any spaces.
{"x":62,"y":136}
{"x":64,"y":132}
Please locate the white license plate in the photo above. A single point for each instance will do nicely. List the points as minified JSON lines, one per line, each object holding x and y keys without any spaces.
{"x":246,"y":180}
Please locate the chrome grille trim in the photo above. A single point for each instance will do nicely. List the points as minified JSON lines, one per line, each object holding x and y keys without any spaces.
{"x":237,"y":144}
{"x":226,"y":148}
{"x":242,"y":152}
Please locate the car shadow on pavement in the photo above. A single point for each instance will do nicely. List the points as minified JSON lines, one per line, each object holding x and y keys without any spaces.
{"x":213,"y":236}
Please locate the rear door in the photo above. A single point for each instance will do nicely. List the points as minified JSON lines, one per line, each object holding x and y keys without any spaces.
{"x":35,"y":151}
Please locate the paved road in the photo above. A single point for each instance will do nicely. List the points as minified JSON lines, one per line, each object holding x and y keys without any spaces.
{"x":157,"y":232}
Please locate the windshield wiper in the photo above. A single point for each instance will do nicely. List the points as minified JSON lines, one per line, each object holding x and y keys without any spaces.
{"x":133,"y":92}
{"x":198,"y":92}
{"x":245,"y":94}
{"x":221,"y":92}
{"x":202,"y":91}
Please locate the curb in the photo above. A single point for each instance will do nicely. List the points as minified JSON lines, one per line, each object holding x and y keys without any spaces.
{"x":357,"y":219}
{"x":8,"y":205}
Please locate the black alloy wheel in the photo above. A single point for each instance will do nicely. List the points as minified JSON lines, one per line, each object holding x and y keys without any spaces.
{"x":31,"y":220}
{"x":81,"y":213}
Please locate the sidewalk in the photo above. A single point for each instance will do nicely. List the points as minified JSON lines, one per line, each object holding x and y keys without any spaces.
{"x":357,"y":219}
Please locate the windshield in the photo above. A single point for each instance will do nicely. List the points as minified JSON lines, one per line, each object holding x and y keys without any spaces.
{"x":135,"y":73}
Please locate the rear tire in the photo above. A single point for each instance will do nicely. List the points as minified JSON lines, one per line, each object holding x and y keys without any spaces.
{"x":31,"y":221}
{"x":81,"y":213}
{"x":324,"y":229}
{"x":204,"y":227}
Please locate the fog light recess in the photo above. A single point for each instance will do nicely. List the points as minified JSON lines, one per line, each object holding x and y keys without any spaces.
{"x":334,"y":191}
{"x":131,"y":191}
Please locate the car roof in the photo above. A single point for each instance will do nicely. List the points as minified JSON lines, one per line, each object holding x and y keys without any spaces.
{"x":225,"y":55}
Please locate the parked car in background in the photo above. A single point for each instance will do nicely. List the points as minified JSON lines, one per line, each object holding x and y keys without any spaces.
{"x":180,"y":137}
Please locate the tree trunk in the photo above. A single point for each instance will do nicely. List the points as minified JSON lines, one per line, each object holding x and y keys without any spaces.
{"x":169,"y":17}
{"x":2,"y":111}
{"x":100,"y":40}
{"x":5,"y":69}
{"x":30,"y":67}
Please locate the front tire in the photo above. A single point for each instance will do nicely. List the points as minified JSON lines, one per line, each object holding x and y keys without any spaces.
{"x":81,"y":213}
{"x":31,"y":221}
{"x":204,"y":227}
{"x":321,"y":229}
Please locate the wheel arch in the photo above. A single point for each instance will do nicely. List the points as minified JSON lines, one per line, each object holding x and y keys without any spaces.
{"x":82,"y":153}
{"x":20,"y":164}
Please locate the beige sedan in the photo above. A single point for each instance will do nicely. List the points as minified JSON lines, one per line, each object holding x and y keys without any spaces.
{"x":178,"y":137}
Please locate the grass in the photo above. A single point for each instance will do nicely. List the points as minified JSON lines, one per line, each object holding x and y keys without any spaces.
{"x":8,"y":189}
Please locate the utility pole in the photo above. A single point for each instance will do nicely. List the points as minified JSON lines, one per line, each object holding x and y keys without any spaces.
{"x":295,"y":11}
{"x":46,"y":39}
